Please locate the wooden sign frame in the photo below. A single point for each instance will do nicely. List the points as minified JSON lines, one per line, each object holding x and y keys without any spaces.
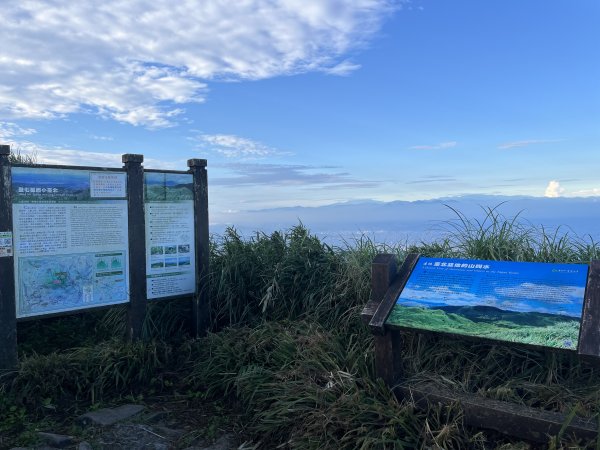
{"x":516,"y":420}
{"x":137,"y":304}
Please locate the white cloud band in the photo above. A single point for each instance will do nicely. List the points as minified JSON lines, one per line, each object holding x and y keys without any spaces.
{"x":135,"y":61}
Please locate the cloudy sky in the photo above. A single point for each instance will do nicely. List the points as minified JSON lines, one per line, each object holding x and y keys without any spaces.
{"x":312,"y":102}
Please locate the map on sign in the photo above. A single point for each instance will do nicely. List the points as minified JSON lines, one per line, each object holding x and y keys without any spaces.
{"x":530,"y":303}
{"x":70,"y":281}
{"x":70,"y":239}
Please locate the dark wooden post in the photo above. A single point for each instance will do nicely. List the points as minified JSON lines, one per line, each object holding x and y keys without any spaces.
{"x":137,"y":245}
{"x":383,"y":271}
{"x":589,"y":333}
{"x":200,"y":317}
{"x":386,"y":286}
{"x":8,"y":313}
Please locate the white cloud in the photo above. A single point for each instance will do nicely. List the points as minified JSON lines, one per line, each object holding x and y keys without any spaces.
{"x":135,"y":61}
{"x":554,"y":190}
{"x":9,"y":130}
{"x":593,"y":192}
{"x":343,"y":69}
{"x":282,"y":175}
{"x":232,"y":146}
{"x":526,"y":143}
{"x":440,"y":146}
{"x":101,"y":138}
{"x":74,"y":157}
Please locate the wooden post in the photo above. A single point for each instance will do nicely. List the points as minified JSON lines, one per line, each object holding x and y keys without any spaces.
{"x":8,"y":313}
{"x":383,"y":271}
{"x":137,"y":245}
{"x":386,"y":285}
{"x":589,"y":333}
{"x":200,"y":318}
{"x":390,"y":295}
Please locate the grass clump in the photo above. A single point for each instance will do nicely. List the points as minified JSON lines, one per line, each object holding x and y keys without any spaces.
{"x":303,"y":386}
{"x":90,"y":374}
{"x":287,"y":276}
{"x":496,"y":237}
{"x":17,"y":157}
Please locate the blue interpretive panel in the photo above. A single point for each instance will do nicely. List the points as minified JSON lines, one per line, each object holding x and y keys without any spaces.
{"x":71,"y":239}
{"x":529,"y":303}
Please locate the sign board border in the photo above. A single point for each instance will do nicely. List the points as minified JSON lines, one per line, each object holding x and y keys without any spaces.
{"x":589,"y":332}
{"x":531,"y":295}
{"x":196,"y":271}
{"x":137,"y":305}
{"x":71,"y":310}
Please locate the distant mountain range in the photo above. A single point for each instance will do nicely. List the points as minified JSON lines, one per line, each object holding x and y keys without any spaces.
{"x":401,"y":221}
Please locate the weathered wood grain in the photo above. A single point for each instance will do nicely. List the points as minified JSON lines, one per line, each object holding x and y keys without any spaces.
{"x":589,"y":333}
{"x":8,"y":314}
{"x":383,"y":272}
{"x":508,"y":418}
{"x":200,"y":306}
{"x":137,"y":244}
{"x":377,"y":323}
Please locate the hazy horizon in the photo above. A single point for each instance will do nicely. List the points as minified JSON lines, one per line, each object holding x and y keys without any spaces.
{"x":420,"y":220}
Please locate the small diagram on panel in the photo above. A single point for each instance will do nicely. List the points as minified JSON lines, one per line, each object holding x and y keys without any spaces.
{"x":116,"y":263}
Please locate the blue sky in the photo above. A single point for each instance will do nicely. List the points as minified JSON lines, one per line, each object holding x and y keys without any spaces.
{"x":512,"y":286}
{"x":313,"y":102}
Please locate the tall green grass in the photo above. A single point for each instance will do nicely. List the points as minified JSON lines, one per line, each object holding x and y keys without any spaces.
{"x":288,"y":275}
{"x":16,"y":157}
{"x":288,"y":352}
{"x":496,"y":237}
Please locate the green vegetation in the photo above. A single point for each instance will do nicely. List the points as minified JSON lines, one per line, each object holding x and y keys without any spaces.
{"x":160,"y":193}
{"x":16,"y":157}
{"x":288,"y":362}
{"x":549,"y":330}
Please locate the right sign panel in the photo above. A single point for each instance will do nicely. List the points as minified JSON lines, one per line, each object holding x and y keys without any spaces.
{"x":170,"y":256}
{"x":529,"y":303}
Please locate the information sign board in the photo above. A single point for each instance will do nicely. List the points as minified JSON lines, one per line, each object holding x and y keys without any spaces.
{"x":70,"y":239}
{"x":170,"y":256}
{"x":6,"y":244}
{"x":530,"y":303}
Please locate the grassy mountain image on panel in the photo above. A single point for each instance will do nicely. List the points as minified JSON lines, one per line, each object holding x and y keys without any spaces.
{"x":157,"y":193}
{"x":548,"y":330}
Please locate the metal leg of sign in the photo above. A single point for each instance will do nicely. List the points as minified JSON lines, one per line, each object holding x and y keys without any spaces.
{"x":200,"y":319}
{"x":8,"y":321}
{"x":137,"y":244}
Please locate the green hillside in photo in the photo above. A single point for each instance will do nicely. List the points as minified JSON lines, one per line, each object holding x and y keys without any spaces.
{"x":548,"y":330}
{"x":161,"y":193}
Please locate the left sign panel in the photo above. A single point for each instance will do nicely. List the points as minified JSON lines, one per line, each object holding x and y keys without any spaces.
{"x":70,"y":239}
